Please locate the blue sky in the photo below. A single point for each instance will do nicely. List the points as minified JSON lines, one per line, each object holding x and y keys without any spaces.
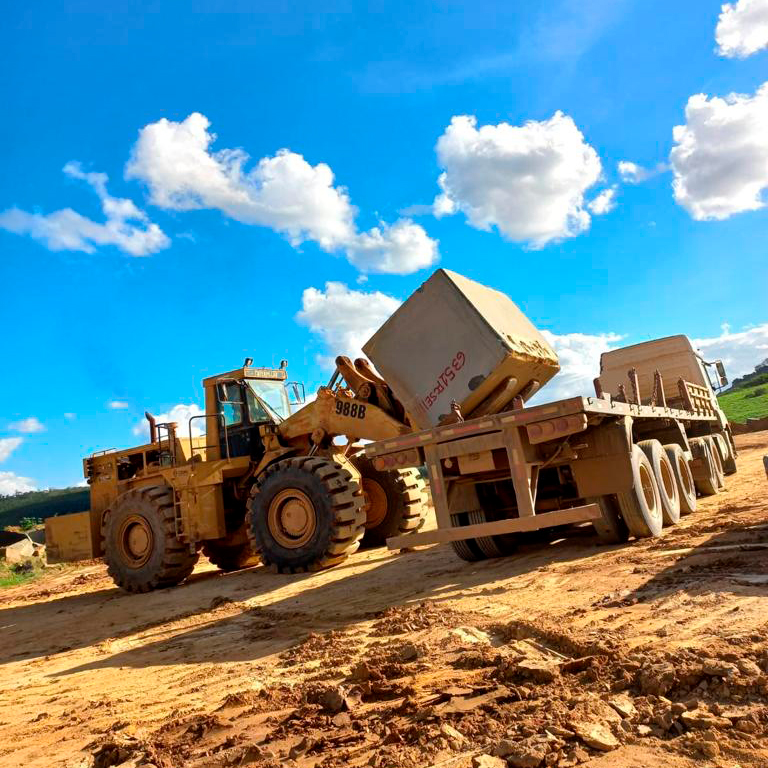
{"x":186,"y":258}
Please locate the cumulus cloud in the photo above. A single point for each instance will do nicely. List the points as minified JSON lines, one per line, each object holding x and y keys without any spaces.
{"x":632,"y":173}
{"x":117,"y":405}
{"x":742,"y":28}
{"x":604,"y":202}
{"x":579,"y":355}
{"x":181,"y":414}
{"x":528,"y":181}
{"x":27,"y":426}
{"x":69,"y":416}
{"x":8,"y":445}
{"x":343,"y":318}
{"x":720,"y":157}
{"x":283,"y":192}
{"x":126,"y":227}
{"x":11,"y":483}
{"x":740,"y":351}
{"x":389,"y":248}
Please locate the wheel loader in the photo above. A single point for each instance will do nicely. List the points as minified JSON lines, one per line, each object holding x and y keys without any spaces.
{"x":292,"y":490}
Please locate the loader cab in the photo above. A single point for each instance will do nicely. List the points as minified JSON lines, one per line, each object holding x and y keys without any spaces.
{"x":247,"y":399}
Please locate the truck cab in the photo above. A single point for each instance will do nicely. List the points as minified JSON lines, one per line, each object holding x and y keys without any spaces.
{"x":673,"y":356}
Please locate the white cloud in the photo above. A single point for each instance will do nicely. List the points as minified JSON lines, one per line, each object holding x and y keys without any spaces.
{"x":27,"y":426}
{"x":69,"y":416}
{"x":117,"y":405}
{"x":181,"y":414}
{"x":604,"y":202}
{"x":11,"y":483}
{"x":67,"y":230}
{"x":344,"y":318}
{"x":740,"y":351}
{"x":8,"y":445}
{"x":529,"y":180}
{"x":720,"y":157}
{"x":579,"y":355}
{"x":283,"y":192}
{"x":632,"y":173}
{"x":399,"y":249}
{"x":742,"y":28}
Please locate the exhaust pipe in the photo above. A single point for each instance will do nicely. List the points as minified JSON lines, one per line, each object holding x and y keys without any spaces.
{"x":152,"y":427}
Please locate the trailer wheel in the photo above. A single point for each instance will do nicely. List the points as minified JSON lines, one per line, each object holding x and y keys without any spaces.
{"x":610,"y":528}
{"x":704,"y":470}
{"x":725,"y":452}
{"x":232,"y":557}
{"x":394,"y":501}
{"x":665,"y":480}
{"x":468,"y":550}
{"x":140,"y":545}
{"x":641,"y":505}
{"x":716,"y":461}
{"x":683,"y":477}
{"x":305,"y":514}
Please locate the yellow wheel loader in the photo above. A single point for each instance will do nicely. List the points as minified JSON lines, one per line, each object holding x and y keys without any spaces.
{"x":291,"y":489}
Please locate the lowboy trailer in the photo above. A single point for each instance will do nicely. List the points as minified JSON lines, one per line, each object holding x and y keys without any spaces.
{"x":625,"y":467}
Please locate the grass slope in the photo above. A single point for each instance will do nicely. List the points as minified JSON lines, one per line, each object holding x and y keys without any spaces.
{"x":748,"y":400}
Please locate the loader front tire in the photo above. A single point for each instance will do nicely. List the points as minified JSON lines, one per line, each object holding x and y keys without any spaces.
{"x":232,"y":557}
{"x":140,"y":545}
{"x":394,"y":501}
{"x":305,"y":514}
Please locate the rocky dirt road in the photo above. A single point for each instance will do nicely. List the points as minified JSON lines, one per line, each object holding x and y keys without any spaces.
{"x":646,"y":655}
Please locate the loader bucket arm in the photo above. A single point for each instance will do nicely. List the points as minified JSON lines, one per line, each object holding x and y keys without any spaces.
{"x":336,"y":413}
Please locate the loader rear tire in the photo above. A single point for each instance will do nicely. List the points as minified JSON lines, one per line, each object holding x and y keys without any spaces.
{"x":305,"y":514}
{"x":140,"y":545}
{"x":665,"y":480}
{"x":395,"y":502}
{"x":641,"y":505}
{"x":230,"y":558}
{"x":683,"y":477}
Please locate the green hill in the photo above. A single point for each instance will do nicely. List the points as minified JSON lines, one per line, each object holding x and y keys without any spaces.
{"x":37,"y":505}
{"x":747,"y":398}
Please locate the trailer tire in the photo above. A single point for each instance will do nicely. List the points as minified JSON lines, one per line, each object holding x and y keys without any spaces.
{"x":610,"y":528}
{"x":705,"y":473}
{"x":683,"y":478}
{"x":665,"y":480}
{"x":395,"y":501}
{"x":305,"y":514}
{"x":140,"y":545}
{"x":468,"y":550}
{"x":232,"y":557}
{"x":725,"y":451}
{"x":641,"y":505}
{"x":716,"y":461}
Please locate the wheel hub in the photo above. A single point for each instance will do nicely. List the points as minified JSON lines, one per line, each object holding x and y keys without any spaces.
{"x":374,"y":502}
{"x":136,"y":539}
{"x":291,"y":518}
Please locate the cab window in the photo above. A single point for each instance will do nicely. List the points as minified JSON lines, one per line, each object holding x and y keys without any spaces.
{"x":232,"y":409}
{"x":256,"y":411}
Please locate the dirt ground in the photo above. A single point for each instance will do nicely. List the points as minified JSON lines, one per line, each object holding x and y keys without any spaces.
{"x":645,"y":655}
